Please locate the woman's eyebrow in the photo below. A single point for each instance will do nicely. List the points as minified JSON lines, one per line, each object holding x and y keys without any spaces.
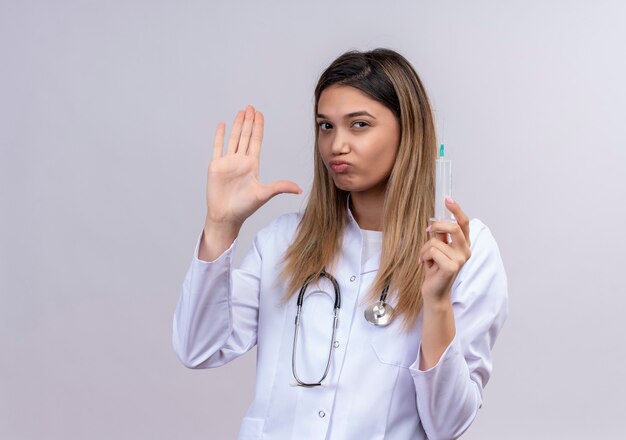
{"x":349,"y":115}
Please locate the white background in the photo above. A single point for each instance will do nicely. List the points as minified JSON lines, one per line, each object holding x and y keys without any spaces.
{"x":107,"y":113}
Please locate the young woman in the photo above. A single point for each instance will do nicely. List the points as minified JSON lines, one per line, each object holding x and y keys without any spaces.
{"x":397,"y":315}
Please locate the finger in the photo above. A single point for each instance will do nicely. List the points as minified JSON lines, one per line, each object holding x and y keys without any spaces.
{"x":458,"y":239}
{"x":441,"y":236}
{"x":426,"y":258}
{"x":218,"y":142}
{"x":246,"y":131}
{"x":235,"y":132}
{"x":457,"y":256}
{"x":437,"y":244}
{"x":434,"y":255}
{"x":280,"y":187}
{"x":257,"y":135}
{"x":460,"y":216}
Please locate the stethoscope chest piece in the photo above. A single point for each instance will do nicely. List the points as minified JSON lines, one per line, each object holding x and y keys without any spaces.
{"x":379,"y":313}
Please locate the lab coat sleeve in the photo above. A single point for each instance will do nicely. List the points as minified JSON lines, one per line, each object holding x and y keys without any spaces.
{"x":450,"y":393}
{"x":216,"y":316}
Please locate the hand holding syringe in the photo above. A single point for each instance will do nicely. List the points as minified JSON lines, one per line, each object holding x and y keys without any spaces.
{"x":448,"y":249}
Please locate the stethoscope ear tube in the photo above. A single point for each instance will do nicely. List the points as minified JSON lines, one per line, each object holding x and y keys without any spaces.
{"x":380,"y":314}
{"x":297,"y":327}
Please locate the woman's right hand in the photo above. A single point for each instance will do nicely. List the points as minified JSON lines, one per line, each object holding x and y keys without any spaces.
{"x":234,"y":192}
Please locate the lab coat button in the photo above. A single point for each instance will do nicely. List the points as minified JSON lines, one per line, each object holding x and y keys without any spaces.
{"x":352,"y":278}
{"x":336,"y":344}
{"x":321,"y":414}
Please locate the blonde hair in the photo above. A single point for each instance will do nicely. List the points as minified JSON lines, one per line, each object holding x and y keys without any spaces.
{"x":387,"y":77}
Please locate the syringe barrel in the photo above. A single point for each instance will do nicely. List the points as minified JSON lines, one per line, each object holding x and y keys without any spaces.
{"x":443,"y":188}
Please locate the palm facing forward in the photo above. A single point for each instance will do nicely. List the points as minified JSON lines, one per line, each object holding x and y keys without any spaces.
{"x":234,"y":192}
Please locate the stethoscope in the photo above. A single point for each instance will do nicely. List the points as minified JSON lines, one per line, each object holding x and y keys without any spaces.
{"x":380,"y":314}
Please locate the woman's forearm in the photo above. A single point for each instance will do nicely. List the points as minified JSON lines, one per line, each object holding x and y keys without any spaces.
{"x":438,"y":330}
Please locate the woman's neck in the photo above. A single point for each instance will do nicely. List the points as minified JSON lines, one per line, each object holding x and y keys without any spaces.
{"x":367,"y":209}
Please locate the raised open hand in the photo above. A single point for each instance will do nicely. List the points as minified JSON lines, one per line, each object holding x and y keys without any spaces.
{"x":234,"y":192}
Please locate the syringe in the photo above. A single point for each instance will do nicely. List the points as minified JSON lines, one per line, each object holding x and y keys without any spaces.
{"x":443,"y":187}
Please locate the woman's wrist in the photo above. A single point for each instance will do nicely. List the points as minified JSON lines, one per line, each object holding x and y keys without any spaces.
{"x":216,"y":238}
{"x":437,"y":306}
{"x":221,"y":228}
{"x":438,"y":330}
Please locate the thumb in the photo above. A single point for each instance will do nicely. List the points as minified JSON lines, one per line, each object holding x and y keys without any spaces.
{"x":279,"y":187}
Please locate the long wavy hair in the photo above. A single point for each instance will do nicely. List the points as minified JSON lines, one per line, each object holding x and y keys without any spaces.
{"x":387,"y":77}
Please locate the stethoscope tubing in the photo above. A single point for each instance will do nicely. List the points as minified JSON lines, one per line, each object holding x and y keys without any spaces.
{"x":336,"y":308}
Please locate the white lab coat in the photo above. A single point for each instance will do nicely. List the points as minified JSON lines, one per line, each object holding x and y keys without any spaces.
{"x":374,"y":388}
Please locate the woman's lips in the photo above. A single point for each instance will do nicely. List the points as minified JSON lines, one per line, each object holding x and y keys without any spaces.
{"x":339,"y":167}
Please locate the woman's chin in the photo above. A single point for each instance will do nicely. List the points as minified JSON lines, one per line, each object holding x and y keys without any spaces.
{"x":344,"y":186}
{"x":351,"y":187}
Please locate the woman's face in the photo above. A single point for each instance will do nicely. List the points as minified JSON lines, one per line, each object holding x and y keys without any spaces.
{"x":358,"y":139}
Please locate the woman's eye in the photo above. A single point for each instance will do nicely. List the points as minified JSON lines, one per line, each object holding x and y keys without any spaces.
{"x":360,"y":124}
{"x":324,"y":126}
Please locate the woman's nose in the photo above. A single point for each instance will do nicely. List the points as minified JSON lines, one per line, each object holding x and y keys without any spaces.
{"x":340,"y":144}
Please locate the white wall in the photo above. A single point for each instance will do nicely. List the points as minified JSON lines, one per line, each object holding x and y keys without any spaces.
{"x":107,"y":112}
